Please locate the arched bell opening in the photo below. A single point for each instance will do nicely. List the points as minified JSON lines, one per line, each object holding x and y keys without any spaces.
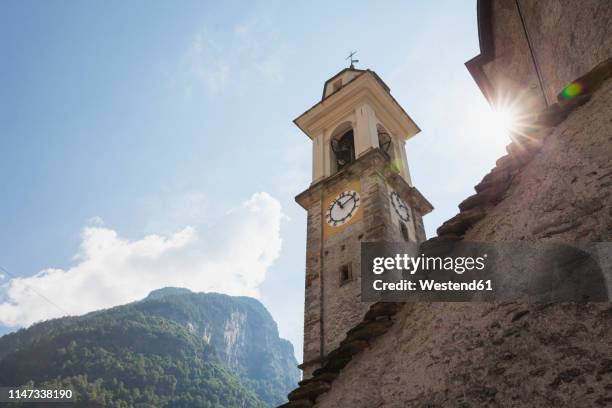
{"x":389,"y":147}
{"x":384,"y":141}
{"x":343,"y":146}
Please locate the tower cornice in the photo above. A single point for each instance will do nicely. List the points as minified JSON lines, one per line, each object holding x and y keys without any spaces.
{"x":367,"y":88}
{"x":374,"y":158}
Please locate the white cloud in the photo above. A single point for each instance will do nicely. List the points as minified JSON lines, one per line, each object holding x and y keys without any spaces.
{"x":95,"y":221}
{"x":232,"y":258}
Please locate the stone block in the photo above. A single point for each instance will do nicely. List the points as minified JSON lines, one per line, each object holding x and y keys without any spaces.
{"x":462,"y":222}
{"x":309,"y":391}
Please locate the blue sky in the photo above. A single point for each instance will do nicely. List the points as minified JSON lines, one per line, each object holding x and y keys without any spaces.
{"x":151,"y":143}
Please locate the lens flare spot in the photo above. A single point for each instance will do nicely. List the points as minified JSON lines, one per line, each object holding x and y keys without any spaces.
{"x":572,"y":90}
{"x":394,"y":166}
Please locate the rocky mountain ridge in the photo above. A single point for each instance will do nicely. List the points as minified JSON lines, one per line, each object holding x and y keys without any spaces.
{"x":173,"y":348}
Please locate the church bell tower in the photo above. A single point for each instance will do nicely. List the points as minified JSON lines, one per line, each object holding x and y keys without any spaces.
{"x":361,"y":191}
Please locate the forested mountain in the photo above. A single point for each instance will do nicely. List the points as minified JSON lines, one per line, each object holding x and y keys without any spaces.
{"x":173,"y":349}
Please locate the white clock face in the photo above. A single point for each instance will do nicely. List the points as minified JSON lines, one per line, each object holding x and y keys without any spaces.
{"x":342,"y":208}
{"x":400,"y":207}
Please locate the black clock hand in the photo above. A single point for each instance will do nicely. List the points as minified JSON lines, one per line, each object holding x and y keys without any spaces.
{"x":347,"y":200}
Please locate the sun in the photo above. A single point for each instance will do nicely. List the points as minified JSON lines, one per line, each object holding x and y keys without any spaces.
{"x":503,"y":120}
{"x":500,"y":120}
{"x":490,"y":128}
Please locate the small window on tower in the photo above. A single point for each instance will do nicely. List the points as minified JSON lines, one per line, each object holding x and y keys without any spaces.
{"x":346,"y":273}
{"x":404,"y":231}
{"x":337,"y":85}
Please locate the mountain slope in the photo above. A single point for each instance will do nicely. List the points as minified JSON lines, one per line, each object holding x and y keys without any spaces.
{"x":174,"y":348}
{"x":240,"y":330}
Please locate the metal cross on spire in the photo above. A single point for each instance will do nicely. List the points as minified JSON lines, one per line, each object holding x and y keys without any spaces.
{"x":353,"y":61}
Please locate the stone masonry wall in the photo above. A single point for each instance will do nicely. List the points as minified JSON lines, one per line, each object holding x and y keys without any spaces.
{"x":563,"y":54}
{"x":468,"y":355}
{"x":567,"y":187}
{"x":342,"y":306}
{"x":509,"y":355}
{"x":512,"y":67}
{"x":312,"y":289}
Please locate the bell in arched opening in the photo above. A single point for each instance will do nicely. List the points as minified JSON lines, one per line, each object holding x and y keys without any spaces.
{"x":344,"y":149}
{"x":384,"y":140}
